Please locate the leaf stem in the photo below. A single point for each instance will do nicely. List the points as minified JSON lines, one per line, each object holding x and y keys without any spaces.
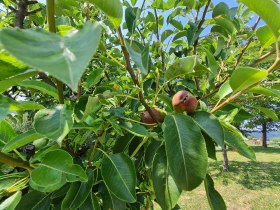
{"x":139,"y":147}
{"x":14,"y":162}
{"x":51,"y":24}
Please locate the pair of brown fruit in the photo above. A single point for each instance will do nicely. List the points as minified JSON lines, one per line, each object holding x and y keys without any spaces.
{"x":181,"y":101}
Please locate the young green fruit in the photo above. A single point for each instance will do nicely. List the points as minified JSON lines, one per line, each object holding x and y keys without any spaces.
{"x":184,"y":101}
{"x":158,"y":113}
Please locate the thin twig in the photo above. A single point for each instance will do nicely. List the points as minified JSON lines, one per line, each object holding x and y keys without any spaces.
{"x":261,"y":58}
{"x":246,"y":46}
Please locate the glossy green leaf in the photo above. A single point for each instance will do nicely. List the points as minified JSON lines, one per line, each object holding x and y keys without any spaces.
{"x":94,"y":77}
{"x":225,"y":24}
{"x":221,"y":9}
{"x":21,"y":140}
{"x":11,"y":202}
{"x":91,"y":203}
{"x":181,"y":67}
{"x":186,"y":151}
{"x":135,"y":129}
{"x":41,"y":86}
{"x":10,"y":66}
{"x":224,"y":90}
{"x":150,"y":153}
{"x":11,"y":81}
{"x":163,"y":4}
{"x":137,"y":57}
{"x":211,"y":126}
{"x":110,"y":201}
{"x":166,"y":34}
{"x":268,"y":113}
{"x":112,"y":8}
{"x":244,"y":77}
{"x":63,"y":57}
{"x":59,"y":167}
{"x":265,"y":91}
{"x":215,"y":200}
{"x":7,"y":132}
{"x":130,"y":19}
{"x":265,"y":36}
{"x":35,"y":200}
{"x":212,"y":63}
{"x":211,"y":146}
{"x":165,"y":188}
{"x":268,"y":10}
{"x":54,"y":123}
{"x":235,"y":140}
{"x":121,"y":167}
{"x":78,"y":193}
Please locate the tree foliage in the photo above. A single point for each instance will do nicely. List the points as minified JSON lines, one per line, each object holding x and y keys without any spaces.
{"x":84,"y":71}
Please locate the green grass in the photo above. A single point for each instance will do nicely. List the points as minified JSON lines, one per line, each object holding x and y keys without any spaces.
{"x":247,"y":185}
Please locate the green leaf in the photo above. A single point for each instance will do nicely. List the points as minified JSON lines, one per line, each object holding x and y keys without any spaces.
{"x":225,"y":24}
{"x":130,"y":19}
{"x":21,"y":140}
{"x":112,"y":8}
{"x":138,"y":58}
{"x":121,"y":167}
{"x":215,"y":200}
{"x":265,"y":91}
{"x":11,"y":202}
{"x":181,"y":67}
{"x":35,"y":200}
{"x":166,"y":190}
{"x":135,"y":129}
{"x":211,"y":147}
{"x":212,"y":63}
{"x":6,"y":131}
{"x":78,"y":193}
{"x":166,"y":34}
{"x":9,"y":66}
{"x":91,"y":203}
{"x":265,"y":36}
{"x":41,"y":86}
{"x":224,"y":90}
{"x":8,"y":105}
{"x":221,"y":9}
{"x":163,"y":4}
{"x":59,"y":167}
{"x":268,"y":10}
{"x":244,"y":77}
{"x":186,"y":151}
{"x":235,"y":140}
{"x":211,"y":126}
{"x":11,"y":81}
{"x":63,"y":57}
{"x":268,"y":112}
{"x":110,"y":201}
{"x":54,"y":123}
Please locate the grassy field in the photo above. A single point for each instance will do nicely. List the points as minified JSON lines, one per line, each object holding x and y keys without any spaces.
{"x":248,"y":185}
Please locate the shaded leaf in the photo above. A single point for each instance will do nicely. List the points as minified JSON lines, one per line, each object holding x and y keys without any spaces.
{"x":11,"y":202}
{"x":121,"y":167}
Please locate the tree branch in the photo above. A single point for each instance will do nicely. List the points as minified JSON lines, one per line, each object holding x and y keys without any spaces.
{"x":246,"y":46}
{"x":133,"y":76}
{"x":275,"y":65}
{"x":200,"y":25}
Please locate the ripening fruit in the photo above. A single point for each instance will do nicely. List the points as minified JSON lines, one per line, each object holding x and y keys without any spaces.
{"x":184,"y":101}
{"x":147,"y":118}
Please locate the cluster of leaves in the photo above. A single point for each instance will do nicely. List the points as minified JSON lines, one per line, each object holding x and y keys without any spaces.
{"x":85,"y":86}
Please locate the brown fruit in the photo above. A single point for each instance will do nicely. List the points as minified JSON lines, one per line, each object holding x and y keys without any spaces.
{"x":184,"y":101}
{"x":147,"y":118}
